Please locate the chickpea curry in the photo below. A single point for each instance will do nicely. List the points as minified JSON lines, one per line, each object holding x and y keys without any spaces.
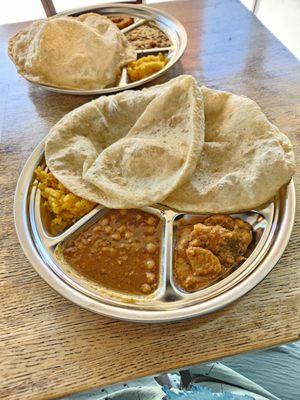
{"x":208,"y":251}
{"x":121,"y":251}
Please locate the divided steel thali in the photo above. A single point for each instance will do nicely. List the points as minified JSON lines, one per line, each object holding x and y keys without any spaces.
{"x":169,"y":222}
{"x":132,"y":21}
{"x":272,"y":226}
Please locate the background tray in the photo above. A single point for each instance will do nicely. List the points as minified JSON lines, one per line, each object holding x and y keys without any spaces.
{"x":168,"y":24}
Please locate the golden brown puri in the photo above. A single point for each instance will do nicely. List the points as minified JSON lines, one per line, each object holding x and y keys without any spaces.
{"x":80,"y":53}
{"x":245,"y":159}
{"x":141,"y":147}
{"x":131,"y":149}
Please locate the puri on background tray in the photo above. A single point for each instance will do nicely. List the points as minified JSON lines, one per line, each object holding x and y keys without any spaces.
{"x":104,"y":50}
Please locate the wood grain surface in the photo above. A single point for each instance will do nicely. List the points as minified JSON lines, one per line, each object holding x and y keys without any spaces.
{"x":50,"y":347}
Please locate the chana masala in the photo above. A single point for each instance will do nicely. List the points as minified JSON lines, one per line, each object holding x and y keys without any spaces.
{"x":207,"y":251}
{"x":148,"y":36}
{"x":121,"y":251}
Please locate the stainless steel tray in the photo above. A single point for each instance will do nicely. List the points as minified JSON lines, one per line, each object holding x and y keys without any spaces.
{"x":141,"y":14}
{"x":272,"y":224}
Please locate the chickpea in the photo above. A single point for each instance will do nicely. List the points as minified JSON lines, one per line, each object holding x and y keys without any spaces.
{"x":104,"y":222}
{"x":151,"y":221}
{"x":149,"y":230}
{"x":122,"y":229}
{"x":108,"y":229}
{"x":151,"y":247}
{"x":128,"y":235}
{"x":150,"y":277}
{"x":116,"y":236}
{"x":150,"y":264}
{"x":145,"y":288}
{"x":97,"y":229}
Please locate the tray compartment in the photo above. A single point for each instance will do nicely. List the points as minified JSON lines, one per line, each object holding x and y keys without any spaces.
{"x":57,"y":245}
{"x":258,"y":222}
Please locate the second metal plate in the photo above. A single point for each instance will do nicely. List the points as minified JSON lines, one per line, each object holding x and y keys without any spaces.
{"x":165,"y":22}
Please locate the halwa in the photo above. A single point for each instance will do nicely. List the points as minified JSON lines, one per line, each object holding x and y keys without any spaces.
{"x":146,"y":66}
{"x":121,"y":251}
{"x":207,"y":251}
{"x":64,"y":207}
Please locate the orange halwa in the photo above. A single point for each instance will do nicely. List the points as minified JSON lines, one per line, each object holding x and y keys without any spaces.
{"x":145,"y":66}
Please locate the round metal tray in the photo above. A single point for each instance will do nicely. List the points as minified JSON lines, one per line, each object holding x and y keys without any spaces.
{"x":141,"y":14}
{"x":272,"y":225}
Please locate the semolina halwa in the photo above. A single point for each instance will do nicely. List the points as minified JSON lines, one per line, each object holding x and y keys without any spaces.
{"x":146,"y":66}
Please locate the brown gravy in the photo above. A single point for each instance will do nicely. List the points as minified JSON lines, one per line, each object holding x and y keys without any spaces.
{"x":121,"y":251}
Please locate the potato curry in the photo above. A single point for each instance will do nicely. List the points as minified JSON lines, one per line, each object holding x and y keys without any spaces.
{"x":207,"y":251}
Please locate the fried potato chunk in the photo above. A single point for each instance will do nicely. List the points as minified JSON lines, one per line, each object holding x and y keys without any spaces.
{"x":203,"y":261}
{"x":122,"y":21}
{"x":228,"y":245}
{"x":208,"y":250}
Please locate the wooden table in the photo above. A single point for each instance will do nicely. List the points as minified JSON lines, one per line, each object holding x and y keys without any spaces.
{"x":50,"y":347}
